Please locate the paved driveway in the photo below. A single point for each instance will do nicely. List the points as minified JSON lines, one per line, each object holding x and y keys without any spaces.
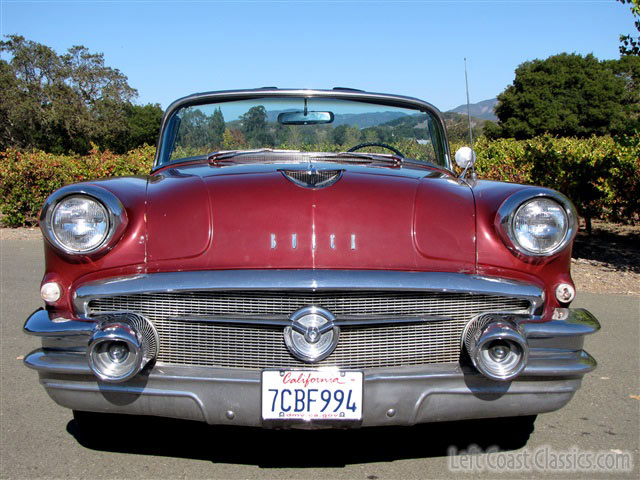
{"x":39,"y":439}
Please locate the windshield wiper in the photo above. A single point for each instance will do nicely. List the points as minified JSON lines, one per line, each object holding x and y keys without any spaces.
{"x":394,"y":159}
{"x":224,"y":154}
{"x":361,"y":157}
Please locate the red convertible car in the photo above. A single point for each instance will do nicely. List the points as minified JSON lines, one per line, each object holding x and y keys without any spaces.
{"x":308,"y":258}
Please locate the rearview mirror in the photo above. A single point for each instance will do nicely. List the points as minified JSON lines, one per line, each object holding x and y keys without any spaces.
{"x":305,"y":118}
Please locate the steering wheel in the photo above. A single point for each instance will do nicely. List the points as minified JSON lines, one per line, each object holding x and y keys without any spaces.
{"x":376,"y":144}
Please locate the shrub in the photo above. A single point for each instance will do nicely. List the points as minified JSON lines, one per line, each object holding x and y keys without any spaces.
{"x":27,"y":179}
{"x":600,"y":174}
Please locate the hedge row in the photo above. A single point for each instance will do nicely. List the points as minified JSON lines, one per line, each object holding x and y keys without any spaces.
{"x":600,"y":174}
{"x":27,"y":179}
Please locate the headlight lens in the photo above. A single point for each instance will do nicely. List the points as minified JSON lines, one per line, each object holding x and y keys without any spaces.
{"x":540,"y":225}
{"x":80,"y":223}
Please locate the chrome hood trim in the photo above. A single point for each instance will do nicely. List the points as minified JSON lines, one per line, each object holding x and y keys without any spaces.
{"x":300,"y":280}
{"x":312,"y":177}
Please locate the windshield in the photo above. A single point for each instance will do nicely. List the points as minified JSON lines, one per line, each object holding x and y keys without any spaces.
{"x":305,"y":124}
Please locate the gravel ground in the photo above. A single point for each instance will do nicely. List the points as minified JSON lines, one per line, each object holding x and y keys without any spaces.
{"x":608,"y":261}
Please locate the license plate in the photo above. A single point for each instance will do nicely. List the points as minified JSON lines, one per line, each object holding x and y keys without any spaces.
{"x":311,"y":395}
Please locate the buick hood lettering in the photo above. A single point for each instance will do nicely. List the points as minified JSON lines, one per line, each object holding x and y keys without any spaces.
{"x":314,"y":243}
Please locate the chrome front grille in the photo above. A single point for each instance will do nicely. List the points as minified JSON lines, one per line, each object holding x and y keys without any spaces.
{"x":186,"y":338}
{"x":251,"y":347}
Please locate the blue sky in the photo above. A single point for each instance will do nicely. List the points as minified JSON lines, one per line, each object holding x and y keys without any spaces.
{"x":169,"y":49}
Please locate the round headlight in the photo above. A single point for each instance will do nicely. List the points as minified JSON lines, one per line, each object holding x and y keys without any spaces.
{"x":536,"y":222}
{"x":83,"y":220}
{"x":540,"y":225}
{"x":80,"y":223}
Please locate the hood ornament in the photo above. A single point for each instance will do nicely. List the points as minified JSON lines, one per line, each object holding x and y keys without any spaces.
{"x":312,"y":177}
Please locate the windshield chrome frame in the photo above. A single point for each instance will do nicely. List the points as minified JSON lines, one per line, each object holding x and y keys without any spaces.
{"x":339,"y":94}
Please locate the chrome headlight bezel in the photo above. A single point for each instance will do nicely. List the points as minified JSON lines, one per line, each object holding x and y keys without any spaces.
{"x":506,"y":217}
{"x":115,"y":212}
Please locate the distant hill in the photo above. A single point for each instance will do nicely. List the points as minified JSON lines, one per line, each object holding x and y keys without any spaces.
{"x":458,"y":126}
{"x":364,"y":120}
{"x":483,"y":110}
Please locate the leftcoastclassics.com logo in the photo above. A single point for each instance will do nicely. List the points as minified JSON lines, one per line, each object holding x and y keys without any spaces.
{"x":540,"y":459}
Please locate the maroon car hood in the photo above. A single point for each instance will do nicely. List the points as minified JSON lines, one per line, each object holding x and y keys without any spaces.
{"x":375,"y":218}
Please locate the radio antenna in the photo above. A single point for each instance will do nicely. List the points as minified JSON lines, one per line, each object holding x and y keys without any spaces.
{"x":471,"y":162}
{"x":466,"y":81}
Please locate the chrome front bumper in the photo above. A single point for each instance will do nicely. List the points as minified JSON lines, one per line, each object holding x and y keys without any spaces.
{"x":392,"y":396}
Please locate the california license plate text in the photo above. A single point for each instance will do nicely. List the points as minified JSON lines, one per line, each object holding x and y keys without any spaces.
{"x":311,"y":395}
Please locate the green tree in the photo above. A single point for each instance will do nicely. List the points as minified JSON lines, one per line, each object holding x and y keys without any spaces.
{"x":254,"y":127}
{"x":217,"y":127}
{"x":491,"y":130}
{"x":293,"y":136}
{"x":629,"y":45}
{"x":195,"y":133}
{"x":339,"y":134}
{"x":60,"y":103}
{"x":352,"y":136}
{"x":143,"y":126}
{"x":33,"y":90}
{"x":370,"y":135}
{"x":233,"y":140}
{"x":565,"y":95}
{"x":458,"y":127}
{"x":628,"y":70}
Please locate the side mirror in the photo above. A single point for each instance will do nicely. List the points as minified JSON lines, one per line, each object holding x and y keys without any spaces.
{"x":465,"y":157}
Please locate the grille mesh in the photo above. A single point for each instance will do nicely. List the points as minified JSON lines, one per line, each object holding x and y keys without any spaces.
{"x":194,"y":342}
{"x":263,"y":347}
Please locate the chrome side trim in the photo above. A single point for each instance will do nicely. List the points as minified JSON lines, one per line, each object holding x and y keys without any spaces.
{"x":41,"y":325}
{"x":51,"y":361}
{"x":560,"y":365}
{"x":301,"y":280}
{"x":573,"y":364}
{"x":576,"y":322}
